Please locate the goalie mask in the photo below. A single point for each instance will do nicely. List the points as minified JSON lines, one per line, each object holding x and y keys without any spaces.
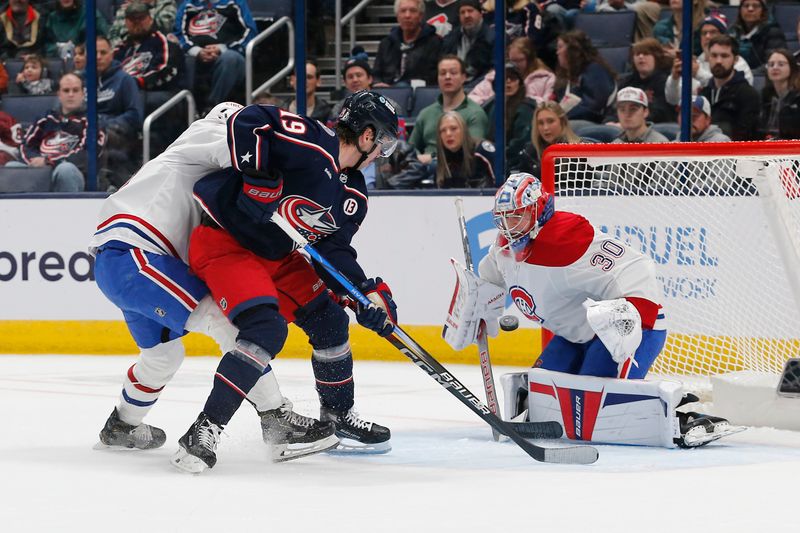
{"x":521,"y":208}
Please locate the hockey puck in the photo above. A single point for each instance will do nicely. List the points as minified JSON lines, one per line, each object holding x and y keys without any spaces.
{"x":509,"y":323}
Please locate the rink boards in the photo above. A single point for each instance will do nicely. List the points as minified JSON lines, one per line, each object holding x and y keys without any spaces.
{"x":53,"y":306}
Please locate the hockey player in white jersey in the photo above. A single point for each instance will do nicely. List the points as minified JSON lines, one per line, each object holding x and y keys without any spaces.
{"x":601,"y":300}
{"x":141,"y":249}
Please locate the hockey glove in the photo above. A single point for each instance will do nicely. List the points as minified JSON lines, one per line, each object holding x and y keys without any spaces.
{"x":382,"y":314}
{"x":261,"y":194}
{"x":474,"y":300}
{"x":618,"y":325}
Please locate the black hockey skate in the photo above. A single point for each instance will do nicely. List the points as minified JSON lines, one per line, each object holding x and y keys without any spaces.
{"x":119,"y":435}
{"x":198,"y":446}
{"x":356,"y":434}
{"x":698,"y":429}
{"x":290,"y":435}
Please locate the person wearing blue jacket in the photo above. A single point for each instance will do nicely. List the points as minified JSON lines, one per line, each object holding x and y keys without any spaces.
{"x":215,"y":33}
{"x":120,"y":112}
{"x":584,"y":81}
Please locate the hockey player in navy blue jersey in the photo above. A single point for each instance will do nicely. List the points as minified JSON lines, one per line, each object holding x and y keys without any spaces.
{"x":311,"y":175}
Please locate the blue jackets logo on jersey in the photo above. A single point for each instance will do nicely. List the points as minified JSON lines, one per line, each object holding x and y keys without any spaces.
{"x":312,"y":220}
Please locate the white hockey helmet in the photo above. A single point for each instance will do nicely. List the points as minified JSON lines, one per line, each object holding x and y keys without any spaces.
{"x":521,"y":207}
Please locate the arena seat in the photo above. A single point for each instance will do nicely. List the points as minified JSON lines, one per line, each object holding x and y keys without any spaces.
{"x":618,"y":57}
{"x":55,"y":68}
{"x":270,"y":9}
{"x":603,"y":133}
{"x":787,"y":16}
{"x":25,"y":179}
{"x":27,"y":108}
{"x":670,"y":130}
{"x":423,"y":97}
{"x":108,"y":9}
{"x":400,"y":95}
{"x":607,"y":29}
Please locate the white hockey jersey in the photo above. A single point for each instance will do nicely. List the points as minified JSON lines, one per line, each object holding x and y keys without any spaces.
{"x":570,"y":261}
{"x":155,"y":209}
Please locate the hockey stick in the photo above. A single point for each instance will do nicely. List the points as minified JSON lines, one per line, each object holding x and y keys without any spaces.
{"x":403,"y":342}
{"x":481,"y":340}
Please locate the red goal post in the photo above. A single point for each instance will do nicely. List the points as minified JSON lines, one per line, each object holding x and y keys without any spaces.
{"x":722,"y":223}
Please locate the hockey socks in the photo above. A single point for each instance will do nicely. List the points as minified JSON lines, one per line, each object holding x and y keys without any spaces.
{"x":237,"y":373}
{"x":334,"y":375}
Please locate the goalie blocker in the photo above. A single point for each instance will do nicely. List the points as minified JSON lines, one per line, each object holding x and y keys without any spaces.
{"x":612,"y":411}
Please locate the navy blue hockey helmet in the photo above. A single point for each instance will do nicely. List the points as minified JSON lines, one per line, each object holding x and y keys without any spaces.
{"x":364,"y":109}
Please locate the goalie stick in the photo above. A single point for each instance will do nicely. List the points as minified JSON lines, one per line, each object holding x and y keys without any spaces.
{"x":408,"y":347}
{"x":480,"y":340}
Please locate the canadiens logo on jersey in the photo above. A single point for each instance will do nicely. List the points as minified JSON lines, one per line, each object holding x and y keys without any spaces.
{"x":524,"y":302}
{"x":58,"y":144}
{"x":137,"y":64}
{"x":312,"y":220}
{"x":206,"y":23}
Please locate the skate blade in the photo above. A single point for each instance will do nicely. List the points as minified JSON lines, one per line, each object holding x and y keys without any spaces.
{"x":698,"y":438}
{"x":350,"y":446}
{"x":100,"y":446}
{"x":281,"y":453}
{"x":187,"y":463}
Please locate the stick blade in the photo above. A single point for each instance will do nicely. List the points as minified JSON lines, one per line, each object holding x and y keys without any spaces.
{"x":571,"y":455}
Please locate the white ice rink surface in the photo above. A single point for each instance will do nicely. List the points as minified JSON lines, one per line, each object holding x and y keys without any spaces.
{"x":443,"y":474}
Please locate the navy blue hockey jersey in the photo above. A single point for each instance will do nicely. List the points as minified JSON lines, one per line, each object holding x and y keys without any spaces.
{"x":323,"y":202}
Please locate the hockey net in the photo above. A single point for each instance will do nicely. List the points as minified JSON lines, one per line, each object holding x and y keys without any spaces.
{"x":722,"y":223}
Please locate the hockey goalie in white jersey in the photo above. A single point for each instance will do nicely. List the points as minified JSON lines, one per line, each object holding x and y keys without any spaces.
{"x":601,"y":300}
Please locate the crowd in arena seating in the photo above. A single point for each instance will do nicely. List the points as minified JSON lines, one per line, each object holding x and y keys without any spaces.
{"x":576,"y":71}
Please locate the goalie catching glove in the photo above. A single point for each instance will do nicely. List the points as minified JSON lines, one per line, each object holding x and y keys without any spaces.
{"x":474,"y":300}
{"x":618,"y":325}
{"x":381,"y":316}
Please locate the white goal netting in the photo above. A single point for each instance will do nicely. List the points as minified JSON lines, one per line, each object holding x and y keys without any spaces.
{"x":721,"y":222}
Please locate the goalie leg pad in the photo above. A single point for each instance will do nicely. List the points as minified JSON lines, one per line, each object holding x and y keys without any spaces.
{"x":561,"y":355}
{"x":613,"y":411}
{"x":515,"y":394}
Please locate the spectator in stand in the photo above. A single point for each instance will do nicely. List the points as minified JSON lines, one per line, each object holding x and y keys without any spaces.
{"x":734,"y":103}
{"x":702,"y":128}
{"x":79,"y":61}
{"x":538,"y":79}
{"x":648,"y":13}
{"x":519,"y":115}
{"x":357,"y":76}
{"x":461,"y":161}
{"x":120,"y":113}
{"x":564,"y":11}
{"x":162,"y":11}
{"x":442,"y":15}
{"x":34,"y":78}
{"x":550,"y":126}
{"x":756,"y":32}
{"x":146,"y":54}
{"x":585,"y":83}
{"x":633,"y":111}
{"x":58,"y":140}
{"x":713,"y":25}
{"x":668,"y":30}
{"x":451,"y":77}
{"x":411,"y":49}
{"x":780,"y":98}
{"x":3,"y":79}
{"x":11,"y":134}
{"x":215,"y":32}
{"x":472,"y":41}
{"x":526,"y":19}
{"x":66,"y":26}
{"x":651,"y":68}
{"x":23,"y":30}
{"x":316,"y":107}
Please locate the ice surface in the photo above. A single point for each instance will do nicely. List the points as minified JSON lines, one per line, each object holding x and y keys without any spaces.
{"x":444,"y":473}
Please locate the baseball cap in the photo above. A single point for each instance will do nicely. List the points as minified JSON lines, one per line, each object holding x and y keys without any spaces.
{"x":137,"y":9}
{"x":701,"y":104}
{"x":633,"y":94}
